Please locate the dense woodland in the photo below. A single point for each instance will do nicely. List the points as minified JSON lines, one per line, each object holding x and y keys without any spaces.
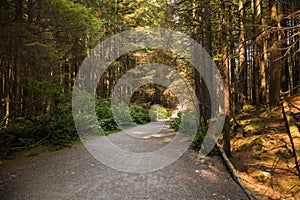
{"x":254,"y":43}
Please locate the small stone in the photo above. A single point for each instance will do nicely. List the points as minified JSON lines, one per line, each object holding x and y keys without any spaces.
{"x":263,"y":176}
{"x":197,"y":171}
{"x":266,"y":174}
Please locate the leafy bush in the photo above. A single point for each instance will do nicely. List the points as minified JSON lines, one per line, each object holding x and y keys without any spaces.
{"x":61,"y":127}
{"x":19,"y":133}
{"x":185,"y":121}
{"x":139,"y":114}
{"x":199,"y":137}
{"x":189,"y":121}
{"x":158,"y":112}
{"x":122,"y":115}
{"x":175,"y":123}
{"x":105,"y":115}
{"x":135,"y":114}
{"x":57,"y":127}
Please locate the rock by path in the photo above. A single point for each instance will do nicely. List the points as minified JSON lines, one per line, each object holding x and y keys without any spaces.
{"x":74,"y":173}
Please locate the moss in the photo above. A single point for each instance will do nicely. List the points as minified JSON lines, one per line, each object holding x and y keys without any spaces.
{"x":262,"y":178}
{"x":257,"y":144}
{"x":255,"y":126}
{"x":248,"y":107}
{"x":271,"y":110}
{"x":244,"y":147}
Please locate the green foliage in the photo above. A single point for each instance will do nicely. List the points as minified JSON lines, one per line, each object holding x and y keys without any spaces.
{"x":56,"y":128}
{"x":175,"y":123}
{"x":61,"y":128}
{"x":139,"y":114}
{"x":18,"y":133}
{"x":158,"y":112}
{"x":79,"y":20}
{"x":185,"y":123}
{"x":122,"y":115}
{"x":134,"y":113}
{"x":43,"y":88}
{"x":105,"y":115}
{"x":199,"y":137}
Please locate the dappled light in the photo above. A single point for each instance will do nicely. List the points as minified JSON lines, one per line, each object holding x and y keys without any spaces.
{"x":150,"y":99}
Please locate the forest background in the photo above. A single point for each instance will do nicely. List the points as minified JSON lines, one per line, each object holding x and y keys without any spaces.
{"x":254,"y":43}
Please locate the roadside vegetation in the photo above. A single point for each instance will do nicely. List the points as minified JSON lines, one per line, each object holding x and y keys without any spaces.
{"x":56,"y":129}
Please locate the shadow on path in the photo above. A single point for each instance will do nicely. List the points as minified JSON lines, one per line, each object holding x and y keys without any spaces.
{"x":74,"y":174}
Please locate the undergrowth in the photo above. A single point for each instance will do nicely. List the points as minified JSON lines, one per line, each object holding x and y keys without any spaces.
{"x":56,"y":129}
{"x":185,"y":123}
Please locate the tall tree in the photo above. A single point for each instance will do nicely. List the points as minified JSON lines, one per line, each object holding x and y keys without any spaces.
{"x":275,"y":54}
{"x":242,"y":56}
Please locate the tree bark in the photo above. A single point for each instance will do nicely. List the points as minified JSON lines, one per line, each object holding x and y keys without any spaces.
{"x":264,"y":58}
{"x":242,"y":57}
{"x":275,"y":62}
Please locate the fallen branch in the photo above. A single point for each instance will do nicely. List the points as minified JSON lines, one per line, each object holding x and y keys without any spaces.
{"x":27,"y":147}
{"x":16,"y":148}
{"x":287,"y":92}
{"x":293,"y":130}
{"x":43,"y":139}
{"x":292,"y":105}
{"x":234,"y":174}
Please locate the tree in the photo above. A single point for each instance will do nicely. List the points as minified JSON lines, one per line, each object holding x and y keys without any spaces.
{"x":42,"y":41}
{"x":275,"y":54}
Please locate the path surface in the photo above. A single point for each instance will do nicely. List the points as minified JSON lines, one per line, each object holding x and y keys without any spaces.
{"x":73,"y":173}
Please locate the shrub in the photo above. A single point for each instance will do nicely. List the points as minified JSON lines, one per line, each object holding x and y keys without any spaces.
{"x":122,"y":115}
{"x":199,"y":137}
{"x":158,"y":112}
{"x":105,"y":115}
{"x":174,"y":124}
{"x":139,"y":114}
{"x":56,"y":128}
{"x":186,"y":123}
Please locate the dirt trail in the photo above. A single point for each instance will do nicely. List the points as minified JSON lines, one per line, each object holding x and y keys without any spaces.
{"x":73,"y":173}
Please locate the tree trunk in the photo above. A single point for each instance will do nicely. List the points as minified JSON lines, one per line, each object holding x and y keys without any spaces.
{"x":264,"y":58}
{"x":208,"y":68}
{"x":242,"y":57}
{"x":275,"y":62}
{"x":225,"y":65}
{"x":255,"y":63}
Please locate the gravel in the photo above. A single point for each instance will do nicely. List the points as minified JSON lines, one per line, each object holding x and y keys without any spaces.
{"x":73,"y":173}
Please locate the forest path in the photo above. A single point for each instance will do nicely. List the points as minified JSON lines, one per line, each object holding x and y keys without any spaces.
{"x":73,"y":173}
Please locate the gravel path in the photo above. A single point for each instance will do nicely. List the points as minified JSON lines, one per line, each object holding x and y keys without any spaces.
{"x":73,"y":173}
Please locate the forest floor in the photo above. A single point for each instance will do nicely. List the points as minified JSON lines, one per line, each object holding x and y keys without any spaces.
{"x":73,"y":173}
{"x":262,"y":153}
